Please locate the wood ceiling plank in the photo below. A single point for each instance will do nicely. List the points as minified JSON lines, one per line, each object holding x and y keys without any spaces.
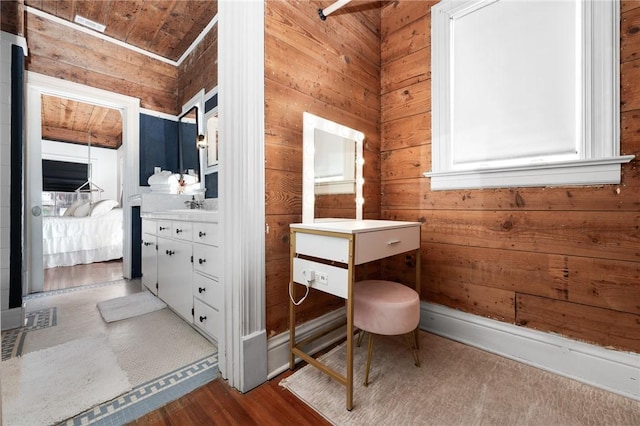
{"x":97,"y":11}
{"x":122,"y":18}
{"x":155,"y":13}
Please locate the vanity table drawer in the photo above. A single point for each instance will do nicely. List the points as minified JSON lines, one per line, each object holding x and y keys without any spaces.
{"x":207,"y":318}
{"x":164,"y":228}
{"x":208,"y":290}
{"x":183,"y":230}
{"x":370,"y":246}
{"x":206,"y":259}
{"x":206,"y":233}
{"x":323,"y":246}
{"x":149,"y":226}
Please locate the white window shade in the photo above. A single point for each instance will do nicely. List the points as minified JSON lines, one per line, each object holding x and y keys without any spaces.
{"x":525,"y":93}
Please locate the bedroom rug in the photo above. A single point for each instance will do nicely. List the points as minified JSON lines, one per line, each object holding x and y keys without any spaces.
{"x":129,"y":306}
{"x":456,"y":385}
{"x":50,"y":385}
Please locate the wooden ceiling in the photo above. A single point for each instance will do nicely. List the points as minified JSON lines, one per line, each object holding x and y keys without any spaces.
{"x":164,"y":27}
{"x":64,"y":120}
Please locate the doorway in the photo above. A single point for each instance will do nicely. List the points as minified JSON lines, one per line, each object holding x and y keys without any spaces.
{"x":37,"y":86}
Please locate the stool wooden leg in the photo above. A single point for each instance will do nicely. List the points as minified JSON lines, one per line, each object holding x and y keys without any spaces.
{"x":415,"y":348}
{"x":369,"y":353}
{"x":360,"y":336}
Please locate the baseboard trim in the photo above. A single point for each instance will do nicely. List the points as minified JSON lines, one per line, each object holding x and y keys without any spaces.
{"x":12,"y":318}
{"x":614,"y":371}
{"x":254,"y":368}
{"x":278,"y":346}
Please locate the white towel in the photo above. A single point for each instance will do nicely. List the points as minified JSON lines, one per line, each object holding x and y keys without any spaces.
{"x":165,"y":177}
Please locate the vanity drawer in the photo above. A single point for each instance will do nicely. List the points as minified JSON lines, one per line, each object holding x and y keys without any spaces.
{"x":375,"y":245}
{"x":206,"y":233}
{"x":183,"y":230}
{"x":207,"y":318}
{"x":208,"y":290}
{"x":149,"y":226}
{"x":323,"y":246}
{"x":164,"y":228}
{"x":206,"y":259}
{"x":327,"y":278}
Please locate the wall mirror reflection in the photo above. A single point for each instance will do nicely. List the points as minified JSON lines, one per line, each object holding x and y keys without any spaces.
{"x":188,"y":138}
{"x":212,"y":141}
{"x":332,"y":170}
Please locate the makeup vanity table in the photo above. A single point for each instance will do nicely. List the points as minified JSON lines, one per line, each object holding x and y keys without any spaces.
{"x":324,"y":252}
{"x":324,"y":255}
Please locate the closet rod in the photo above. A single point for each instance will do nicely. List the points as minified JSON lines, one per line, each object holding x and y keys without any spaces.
{"x":329,"y":10}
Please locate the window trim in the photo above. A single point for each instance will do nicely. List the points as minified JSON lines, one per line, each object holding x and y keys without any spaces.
{"x":601,"y":162}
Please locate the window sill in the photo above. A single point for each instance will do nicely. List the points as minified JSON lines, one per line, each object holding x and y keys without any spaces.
{"x":582,"y":172}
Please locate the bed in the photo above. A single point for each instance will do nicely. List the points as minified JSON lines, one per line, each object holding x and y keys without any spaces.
{"x":95,"y":236}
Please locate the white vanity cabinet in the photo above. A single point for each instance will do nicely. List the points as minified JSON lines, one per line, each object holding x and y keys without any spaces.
{"x":150,"y":256}
{"x":181,"y":265}
{"x":207,"y":289}
{"x":174,"y":275}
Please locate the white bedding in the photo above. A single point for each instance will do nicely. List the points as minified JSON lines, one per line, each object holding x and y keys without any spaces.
{"x":69,"y":240}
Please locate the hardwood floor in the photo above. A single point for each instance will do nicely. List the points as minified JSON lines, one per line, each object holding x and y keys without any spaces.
{"x":79,"y":275}
{"x":216,"y":403}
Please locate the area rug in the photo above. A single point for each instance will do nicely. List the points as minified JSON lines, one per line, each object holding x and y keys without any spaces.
{"x":456,"y":385}
{"x":50,"y":385}
{"x":129,"y":306}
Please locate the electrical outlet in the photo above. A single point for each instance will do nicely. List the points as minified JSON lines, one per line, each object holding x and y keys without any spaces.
{"x":323,"y":278}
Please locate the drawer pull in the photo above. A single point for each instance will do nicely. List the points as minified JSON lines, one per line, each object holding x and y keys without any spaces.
{"x":201,"y":261}
{"x":146,"y":243}
{"x":162,"y":228}
{"x":202,"y":318}
{"x":201,"y":289}
{"x":178,"y":231}
{"x":202,"y":234}
{"x":170,"y":252}
{"x":393,"y":242}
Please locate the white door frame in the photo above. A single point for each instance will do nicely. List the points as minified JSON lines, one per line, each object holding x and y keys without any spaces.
{"x":38,"y":85}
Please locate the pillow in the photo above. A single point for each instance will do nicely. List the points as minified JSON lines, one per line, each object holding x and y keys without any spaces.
{"x":82,"y":210}
{"x":72,"y":208}
{"x":103,"y":207}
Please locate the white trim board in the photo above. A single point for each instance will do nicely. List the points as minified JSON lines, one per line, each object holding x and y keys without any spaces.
{"x":614,"y":371}
{"x":12,"y":318}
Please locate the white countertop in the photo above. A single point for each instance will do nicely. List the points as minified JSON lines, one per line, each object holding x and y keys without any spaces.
{"x":190,"y":215}
{"x":353,"y":226}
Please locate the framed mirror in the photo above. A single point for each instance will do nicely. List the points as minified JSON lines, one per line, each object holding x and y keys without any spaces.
{"x":332,"y":170}
{"x":211,"y":126}
{"x":188,"y":138}
{"x":190,"y":135}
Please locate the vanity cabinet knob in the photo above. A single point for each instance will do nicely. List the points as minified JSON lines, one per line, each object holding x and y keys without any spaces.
{"x":178,"y":231}
{"x":170,"y":252}
{"x":162,"y":228}
{"x":201,"y":289}
{"x":201,"y":261}
{"x":202,"y":318}
{"x":202,"y":234}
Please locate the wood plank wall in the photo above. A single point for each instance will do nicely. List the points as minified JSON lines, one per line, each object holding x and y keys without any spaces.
{"x":58,"y":51}
{"x":332,"y":69}
{"x":561,"y":260}
{"x":200,"y":68}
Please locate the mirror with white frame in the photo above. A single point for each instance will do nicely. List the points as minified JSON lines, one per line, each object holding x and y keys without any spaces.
{"x":190,"y":136}
{"x":332,"y":170}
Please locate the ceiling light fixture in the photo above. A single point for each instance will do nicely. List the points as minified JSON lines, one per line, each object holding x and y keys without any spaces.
{"x":89,"y":23}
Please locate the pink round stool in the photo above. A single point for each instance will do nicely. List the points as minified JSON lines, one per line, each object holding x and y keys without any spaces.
{"x":386,"y":308}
